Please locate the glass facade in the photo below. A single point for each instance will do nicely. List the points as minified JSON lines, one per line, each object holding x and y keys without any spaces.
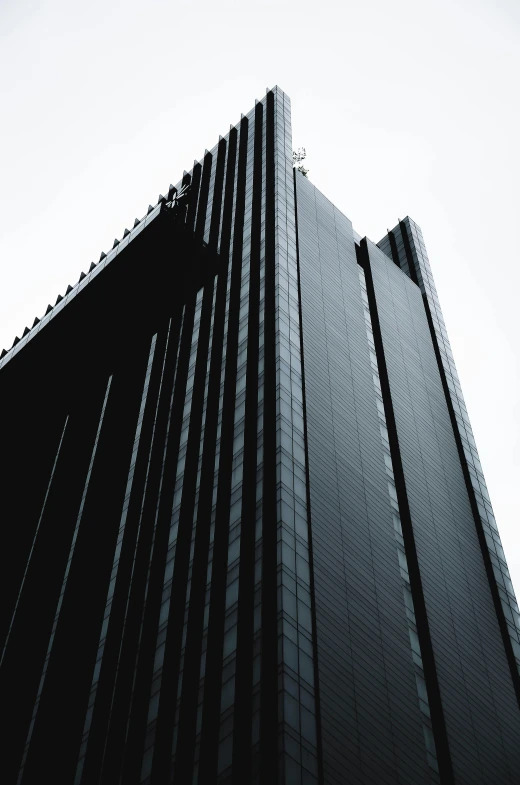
{"x":250,"y":512}
{"x":410,"y":254}
{"x":473,"y":698}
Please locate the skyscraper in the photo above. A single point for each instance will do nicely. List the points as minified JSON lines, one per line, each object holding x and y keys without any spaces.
{"x":247,"y":538}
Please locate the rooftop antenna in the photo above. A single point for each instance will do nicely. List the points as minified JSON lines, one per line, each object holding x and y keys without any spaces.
{"x":298,"y":156}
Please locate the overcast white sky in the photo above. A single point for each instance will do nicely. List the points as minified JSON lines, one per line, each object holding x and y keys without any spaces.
{"x":404,"y":108}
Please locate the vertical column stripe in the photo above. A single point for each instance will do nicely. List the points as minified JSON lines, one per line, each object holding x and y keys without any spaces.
{"x":189,"y":703}
{"x":209,"y":743}
{"x":193,"y":197}
{"x":174,"y":489}
{"x":269,"y":696}
{"x":244,"y":669}
{"x":151,"y":599}
{"x":204,"y":193}
{"x":115,"y":714}
{"x":180,"y":588}
{"x":408,"y":253}
{"x":211,"y":702}
{"x":393,"y":247}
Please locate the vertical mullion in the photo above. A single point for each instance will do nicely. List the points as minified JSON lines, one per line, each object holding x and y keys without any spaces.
{"x":408,"y":253}
{"x":179,"y":588}
{"x":181,"y":585}
{"x":393,"y":248}
{"x":244,"y":669}
{"x":213,"y":677}
{"x":166,"y":501}
{"x":111,"y":757}
{"x":269,"y":663}
{"x":189,"y":700}
{"x":203,"y":198}
{"x":193,"y":196}
{"x":160,"y":495}
{"x":211,"y":701}
{"x":172,"y":448}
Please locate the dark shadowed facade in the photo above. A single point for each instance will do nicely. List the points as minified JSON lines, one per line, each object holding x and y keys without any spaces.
{"x":246,"y":536}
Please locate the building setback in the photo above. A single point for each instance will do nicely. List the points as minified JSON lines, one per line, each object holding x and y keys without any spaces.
{"x":247,"y":537}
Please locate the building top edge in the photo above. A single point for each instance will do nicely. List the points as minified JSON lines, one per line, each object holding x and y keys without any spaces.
{"x":119,"y":245}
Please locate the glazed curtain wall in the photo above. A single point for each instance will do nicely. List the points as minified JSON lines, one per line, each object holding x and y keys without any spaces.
{"x":370,"y":713}
{"x":413,"y":675}
{"x":405,"y":245}
{"x":478,"y":696}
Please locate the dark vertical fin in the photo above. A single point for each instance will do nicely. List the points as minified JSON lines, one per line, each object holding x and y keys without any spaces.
{"x":204,"y":195}
{"x":193,"y":197}
{"x":134,"y":682}
{"x":136,"y":735}
{"x":212,"y":681}
{"x":185,"y":752}
{"x":174,"y":635}
{"x":393,"y":248}
{"x":121,"y":689}
{"x":244,"y":672}
{"x":269,"y":680}
{"x":408,"y":252}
